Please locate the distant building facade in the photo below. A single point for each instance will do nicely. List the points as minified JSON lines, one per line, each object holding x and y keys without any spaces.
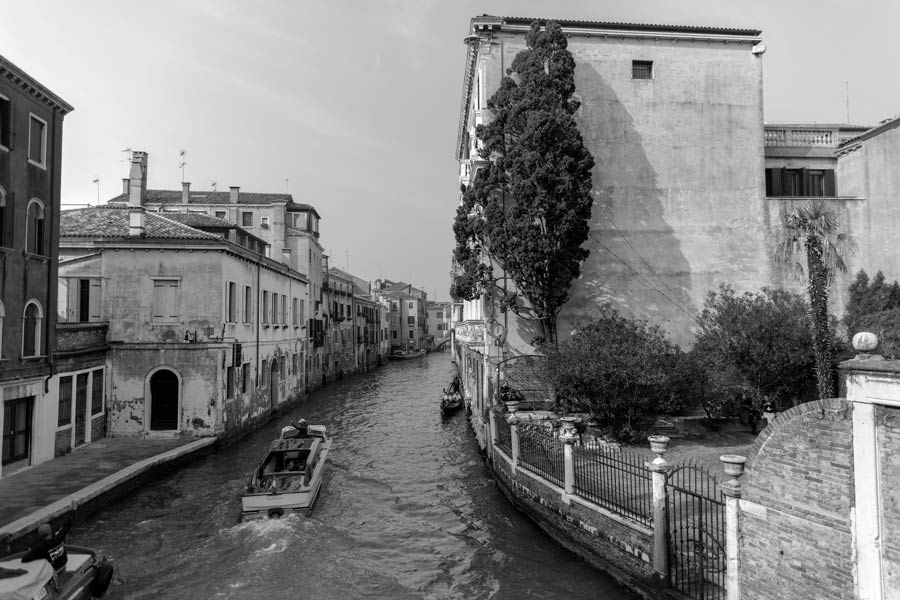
{"x":31,"y":123}
{"x":437,"y":323}
{"x":407,"y":312}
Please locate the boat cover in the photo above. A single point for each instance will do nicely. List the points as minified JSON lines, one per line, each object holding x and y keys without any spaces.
{"x":28,"y":585}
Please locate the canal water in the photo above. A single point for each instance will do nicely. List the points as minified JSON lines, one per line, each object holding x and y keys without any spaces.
{"x":407,"y":511}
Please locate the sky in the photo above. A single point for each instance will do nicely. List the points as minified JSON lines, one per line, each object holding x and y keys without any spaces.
{"x":353,"y":106}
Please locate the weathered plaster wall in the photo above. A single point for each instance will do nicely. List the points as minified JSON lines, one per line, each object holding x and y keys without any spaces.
{"x":679,"y":180}
{"x":870,"y":172}
{"x":796,"y":509}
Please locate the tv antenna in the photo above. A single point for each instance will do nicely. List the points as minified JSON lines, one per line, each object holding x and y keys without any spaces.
{"x":97,"y":183}
{"x":183,"y":155}
{"x":213,"y":184}
{"x":128,"y":151}
{"x":286,"y":187}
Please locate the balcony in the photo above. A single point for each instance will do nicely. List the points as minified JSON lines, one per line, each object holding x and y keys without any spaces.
{"x":801,"y":136}
{"x":471,"y":333}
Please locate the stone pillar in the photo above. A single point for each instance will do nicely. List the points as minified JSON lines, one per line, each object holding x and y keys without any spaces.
{"x":660,"y":467}
{"x":734,"y":468}
{"x":513,"y":420}
{"x":568,"y":436}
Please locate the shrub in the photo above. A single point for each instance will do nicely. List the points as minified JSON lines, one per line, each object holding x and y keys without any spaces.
{"x":620,"y":370}
{"x":754,"y":348}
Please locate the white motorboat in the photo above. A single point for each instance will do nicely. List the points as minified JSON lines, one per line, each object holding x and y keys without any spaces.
{"x":289,"y":477}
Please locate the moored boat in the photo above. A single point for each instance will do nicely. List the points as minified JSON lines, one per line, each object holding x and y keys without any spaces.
{"x":289,"y":477}
{"x":451,"y":402}
{"x":86,"y":574}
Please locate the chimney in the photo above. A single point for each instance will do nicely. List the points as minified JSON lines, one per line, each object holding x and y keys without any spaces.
{"x":137,"y":188}
{"x":125,"y":182}
{"x":136,"y":221}
{"x":185,"y":192}
{"x":234,"y":190}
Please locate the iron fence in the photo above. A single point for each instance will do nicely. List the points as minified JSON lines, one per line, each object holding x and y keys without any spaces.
{"x":504,"y":437}
{"x":615,"y":479}
{"x":542,"y":453}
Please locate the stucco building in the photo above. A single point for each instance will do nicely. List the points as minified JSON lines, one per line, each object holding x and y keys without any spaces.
{"x":290,"y":231}
{"x":31,"y":122}
{"x":206,"y":333}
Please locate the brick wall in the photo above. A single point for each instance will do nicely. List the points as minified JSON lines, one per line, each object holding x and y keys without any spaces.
{"x":62,"y":443}
{"x":796,"y":539}
{"x":887,"y":423}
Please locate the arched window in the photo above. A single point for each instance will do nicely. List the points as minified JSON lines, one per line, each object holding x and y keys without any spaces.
{"x":31,"y":329}
{"x":34,"y":232}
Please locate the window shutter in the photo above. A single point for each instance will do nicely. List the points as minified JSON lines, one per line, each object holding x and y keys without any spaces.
{"x":94,"y":310}
{"x":172,"y":300}
{"x":782,"y":181}
{"x":159,"y":290}
{"x":805,"y":187}
{"x":830,"y":183}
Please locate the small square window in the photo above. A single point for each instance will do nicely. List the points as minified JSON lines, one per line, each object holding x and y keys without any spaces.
{"x":642,"y":69}
{"x":221,"y":214}
{"x":264,"y":222}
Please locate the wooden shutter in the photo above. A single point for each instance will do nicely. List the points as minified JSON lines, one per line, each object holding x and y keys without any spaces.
{"x":830,"y":183}
{"x":94,"y":310}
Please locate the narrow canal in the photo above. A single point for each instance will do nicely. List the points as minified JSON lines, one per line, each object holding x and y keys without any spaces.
{"x":407,"y":511}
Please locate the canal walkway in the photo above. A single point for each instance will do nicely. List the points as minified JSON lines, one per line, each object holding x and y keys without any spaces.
{"x":87,"y":479}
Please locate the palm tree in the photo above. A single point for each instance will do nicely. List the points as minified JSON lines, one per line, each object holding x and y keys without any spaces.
{"x":811,"y":231}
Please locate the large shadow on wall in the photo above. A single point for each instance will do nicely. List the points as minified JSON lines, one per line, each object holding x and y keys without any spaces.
{"x":636,"y":261}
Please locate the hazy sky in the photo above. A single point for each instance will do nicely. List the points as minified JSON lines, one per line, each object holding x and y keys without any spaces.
{"x":356,"y":104}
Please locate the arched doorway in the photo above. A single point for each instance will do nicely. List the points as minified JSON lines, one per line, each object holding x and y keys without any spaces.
{"x":164,"y":394}
{"x":274,"y":379}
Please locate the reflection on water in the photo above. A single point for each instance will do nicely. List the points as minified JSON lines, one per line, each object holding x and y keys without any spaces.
{"x":407,"y":511}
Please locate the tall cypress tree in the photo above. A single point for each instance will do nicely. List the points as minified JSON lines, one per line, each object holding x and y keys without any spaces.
{"x":536,"y":192}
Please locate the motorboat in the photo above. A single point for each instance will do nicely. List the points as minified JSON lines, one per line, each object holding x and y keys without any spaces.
{"x":406,"y":354}
{"x":289,"y":477}
{"x":451,"y":402}
{"x":87,"y":574}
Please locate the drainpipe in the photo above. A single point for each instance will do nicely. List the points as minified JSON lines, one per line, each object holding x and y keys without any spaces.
{"x":258,"y":295}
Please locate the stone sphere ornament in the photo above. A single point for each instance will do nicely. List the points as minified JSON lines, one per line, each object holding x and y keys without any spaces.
{"x":865,"y":341}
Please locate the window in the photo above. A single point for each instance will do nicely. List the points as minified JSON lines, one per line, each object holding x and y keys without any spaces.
{"x":78,"y":300}
{"x":245,"y":377}
{"x":166,"y":294}
{"x":264,"y":222}
{"x":299,"y":221}
{"x":411,"y":306}
{"x":816,"y":183}
{"x":295,"y":312}
{"x":394,"y":334}
{"x":410,"y":334}
{"x":275,"y":309}
{"x":81,"y":394}
{"x":34,"y":227}
{"x":248,"y":304}
{"x":97,"y":392}
{"x":31,"y":329}
{"x":284,"y":310}
{"x":231,"y":302}
{"x":64,"y":414}
{"x":410,"y":320}
{"x":229,"y":383}
{"x":792,"y":183}
{"x":265,"y":308}
{"x":2,"y":315}
{"x":221,"y":214}
{"x":642,"y":69}
{"x":247,"y":219}
{"x":5,"y":122}
{"x":37,"y":141}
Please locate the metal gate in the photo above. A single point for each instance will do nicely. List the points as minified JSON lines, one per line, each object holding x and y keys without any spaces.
{"x":696,"y":533}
